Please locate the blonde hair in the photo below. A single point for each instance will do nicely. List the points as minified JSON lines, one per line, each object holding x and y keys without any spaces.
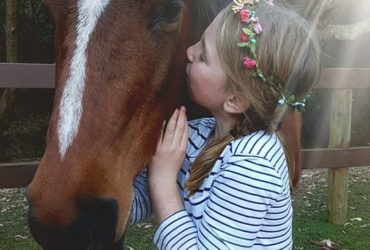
{"x":287,"y":49}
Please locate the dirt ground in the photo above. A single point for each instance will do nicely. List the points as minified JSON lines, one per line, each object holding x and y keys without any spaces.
{"x":311,"y":178}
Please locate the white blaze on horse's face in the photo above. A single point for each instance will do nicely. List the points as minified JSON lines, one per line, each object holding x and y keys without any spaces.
{"x":70,"y":110}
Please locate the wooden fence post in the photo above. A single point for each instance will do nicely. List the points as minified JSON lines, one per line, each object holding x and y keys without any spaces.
{"x":340,"y":136}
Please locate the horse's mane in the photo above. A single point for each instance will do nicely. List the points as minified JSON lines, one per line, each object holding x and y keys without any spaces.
{"x":203,"y":12}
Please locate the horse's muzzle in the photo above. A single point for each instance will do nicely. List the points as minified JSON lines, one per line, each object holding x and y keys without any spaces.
{"x":93,"y":229}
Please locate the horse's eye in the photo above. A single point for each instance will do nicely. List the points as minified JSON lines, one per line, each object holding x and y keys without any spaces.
{"x":172,"y":11}
{"x":166,"y":17}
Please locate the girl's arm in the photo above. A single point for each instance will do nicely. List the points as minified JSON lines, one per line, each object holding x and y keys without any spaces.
{"x":166,"y":164}
{"x":163,"y":169}
{"x":141,"y":206}
{"x":235,"y":209}
{"x":234,"y":213}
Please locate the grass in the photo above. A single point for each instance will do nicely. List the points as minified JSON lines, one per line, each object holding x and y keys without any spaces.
{"x":309,"y":227}
{"x":14,"y":233}
{"x":310,"y":213}
{"x":140,"y":236}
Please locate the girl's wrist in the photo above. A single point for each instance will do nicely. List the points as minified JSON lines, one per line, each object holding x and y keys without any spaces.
{"x":162,"y":186}
{"x":166,"y":199}
{"x":162,"y":179}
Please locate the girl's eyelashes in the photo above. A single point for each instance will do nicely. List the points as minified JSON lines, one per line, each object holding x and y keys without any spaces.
{"x":201,"y":56}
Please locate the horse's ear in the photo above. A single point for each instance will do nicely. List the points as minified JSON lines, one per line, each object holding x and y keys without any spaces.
{"x":167,"y":15}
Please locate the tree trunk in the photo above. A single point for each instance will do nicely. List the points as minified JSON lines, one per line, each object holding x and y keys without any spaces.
{"x":11,"y":30}
{"x":8,"y":95}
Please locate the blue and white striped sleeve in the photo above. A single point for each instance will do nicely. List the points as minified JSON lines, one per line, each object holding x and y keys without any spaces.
{"x":141,"y":206}
{"x":234,"y":212}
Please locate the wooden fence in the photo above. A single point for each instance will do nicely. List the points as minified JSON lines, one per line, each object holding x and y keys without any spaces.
{"x":337,"y":158}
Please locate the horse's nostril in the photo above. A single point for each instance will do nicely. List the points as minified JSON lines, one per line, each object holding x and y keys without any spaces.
{"x":49,"y":236}
{"x":97,"y":221}
{"x":93,"y":228}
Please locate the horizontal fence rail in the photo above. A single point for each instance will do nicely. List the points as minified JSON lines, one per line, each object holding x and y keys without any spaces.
{"x":344,"y":78}
{"x":17,"y":174}
{"x":335,"y":157}
{"x":29,"y":75}
{"x":20,"y":174}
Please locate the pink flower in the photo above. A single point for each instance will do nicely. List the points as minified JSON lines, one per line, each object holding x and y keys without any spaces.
{"x":244,"y":37}
{"x":249,"y":63}
{"x":244,"y":15}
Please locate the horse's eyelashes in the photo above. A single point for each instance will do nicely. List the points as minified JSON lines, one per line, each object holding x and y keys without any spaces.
{"x":166,"y":17}
{"x":172,"y":11}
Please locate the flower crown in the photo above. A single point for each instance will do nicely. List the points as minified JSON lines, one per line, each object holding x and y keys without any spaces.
{"x":252,"y":28}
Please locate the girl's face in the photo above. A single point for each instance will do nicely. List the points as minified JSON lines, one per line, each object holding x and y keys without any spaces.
{"x":206,"y":76}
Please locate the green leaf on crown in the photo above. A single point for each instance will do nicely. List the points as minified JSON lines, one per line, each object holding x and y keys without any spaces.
{"x":253,"y":48}
{"x":270,"y":79}
{"x":291,"y":99}
{"x":247,"y":31}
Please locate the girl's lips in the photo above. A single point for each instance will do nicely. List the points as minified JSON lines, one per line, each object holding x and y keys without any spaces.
{"x":188,"y":69}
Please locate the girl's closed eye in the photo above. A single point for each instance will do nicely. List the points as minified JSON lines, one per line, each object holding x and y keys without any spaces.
{"x":201,"y":57}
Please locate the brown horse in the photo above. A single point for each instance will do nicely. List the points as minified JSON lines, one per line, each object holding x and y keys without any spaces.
{"x":120,"y":66}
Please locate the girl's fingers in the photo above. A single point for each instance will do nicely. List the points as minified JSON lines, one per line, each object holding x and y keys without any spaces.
{"x":170,"y":129}
{"x":181,"y":124}
{"x":159,"y":143}
{"x":184,"y":138}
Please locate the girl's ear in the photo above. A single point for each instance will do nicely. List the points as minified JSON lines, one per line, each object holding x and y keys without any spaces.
{"x":235,"y":105}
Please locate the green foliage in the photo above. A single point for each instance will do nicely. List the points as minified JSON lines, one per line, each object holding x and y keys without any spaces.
{"x":35,"y":32}
{"x":316,"y":119}
{"x":24,"y":137}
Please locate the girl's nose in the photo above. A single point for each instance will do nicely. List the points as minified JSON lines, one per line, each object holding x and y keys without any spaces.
{"x":190,"y":53}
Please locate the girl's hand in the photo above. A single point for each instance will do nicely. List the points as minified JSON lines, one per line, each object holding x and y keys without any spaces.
{"x":166,"y":164}
{"x":171,"y":147}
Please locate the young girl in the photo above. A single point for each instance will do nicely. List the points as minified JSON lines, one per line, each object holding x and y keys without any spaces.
{"x":253,"y":64}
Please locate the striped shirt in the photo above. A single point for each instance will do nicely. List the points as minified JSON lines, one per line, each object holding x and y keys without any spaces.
{"x":243,"y":203}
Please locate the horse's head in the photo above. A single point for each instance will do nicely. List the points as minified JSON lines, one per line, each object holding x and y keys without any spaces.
{"x":119,"y":69}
